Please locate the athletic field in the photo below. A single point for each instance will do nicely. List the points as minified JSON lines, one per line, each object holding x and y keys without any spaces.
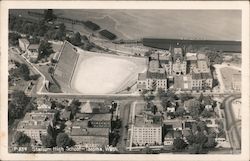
{"x":98,"y":73}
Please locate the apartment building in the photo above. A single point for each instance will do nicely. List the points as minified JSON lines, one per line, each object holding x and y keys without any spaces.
{"x":154,"y":79}
{"x":146,"y":132}
{"x":35,"y":124}
{"x":201,"y":81}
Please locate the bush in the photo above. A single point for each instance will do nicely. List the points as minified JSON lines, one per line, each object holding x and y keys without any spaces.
{"x":34,"y":77}
{"x":13,"y":38}
{"x":21,"y":139}
{"x":63,"y":140}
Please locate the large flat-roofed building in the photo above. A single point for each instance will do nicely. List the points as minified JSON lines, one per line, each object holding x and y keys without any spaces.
{"x":182,"y":82}
{"x":201,"y":81}
{"x":146,"y":132}
{"x":90,"y":130}
{"x":152,"y":81}
{"x":164,"y":59}
{"x":83,"y":135}
{"x":35,"y":124}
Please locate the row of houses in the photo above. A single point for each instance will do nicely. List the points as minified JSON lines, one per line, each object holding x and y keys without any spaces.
{"x":30,"y":49}
{"x":189,"y":71}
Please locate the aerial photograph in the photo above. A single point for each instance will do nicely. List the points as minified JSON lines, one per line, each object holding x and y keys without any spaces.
{"x":124,"y":81}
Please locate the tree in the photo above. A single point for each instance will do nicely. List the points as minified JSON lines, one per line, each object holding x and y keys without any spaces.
{"x":148,"y":97}
{"x":48,"y":141}
{"x":21,"y":139}
{"x":24,"y":72}
{"x":48,"y":15}
{"x":44,"y":50}
{"x":201,"y":97}
{"x":34,"y":77}
{"x":179,"y":112}
{"x":154,"y":109}
{"x":63,"y":140}
{"x":194,"y":112}
{"x":191,"y":139}
{"x":19,"y":99}
{"x":205,"y":113}
{"x":76,"y":39}
{"x":185,"y":96}
{"x":50,"y":70}
{"x":202,"y":126}
{"x":51,"y":131}
{"x":211,"y":143}
{"x":196,"y":149}
{"x":179,"y":144}
{"x":13,"y":38}
{"x":74,"y":107}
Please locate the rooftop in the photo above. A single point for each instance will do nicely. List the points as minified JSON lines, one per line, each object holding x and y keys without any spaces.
{"x":160,"y":75}
{"x":201,"y":56}
{"x":94,"y":107}
{"x":36,"y":120}
{"x":140,"y":121}
{"x":177,"y":51}
{"x":154,"y":65}
{"x":142,"y":76}
{"x":94,"y":117}
{"x":201,"y":75}
{"x":175,"y":123}
{"x":24,"y":40}
{"x":80,"y":128}
{"x":33,"y":46}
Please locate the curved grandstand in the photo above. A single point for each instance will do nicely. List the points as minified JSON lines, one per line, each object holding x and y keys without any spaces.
{"x":67,"y":62}
{"x":80,"y":71}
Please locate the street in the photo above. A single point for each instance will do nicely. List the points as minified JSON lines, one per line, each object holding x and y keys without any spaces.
{"x":124,"y":113}
{"x":232,"y":126}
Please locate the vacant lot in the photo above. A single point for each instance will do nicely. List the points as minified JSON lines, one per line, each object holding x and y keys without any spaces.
{"x":105,"y":74}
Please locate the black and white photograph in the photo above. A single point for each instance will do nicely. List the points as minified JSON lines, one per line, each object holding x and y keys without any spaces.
{"x":107,"y":81}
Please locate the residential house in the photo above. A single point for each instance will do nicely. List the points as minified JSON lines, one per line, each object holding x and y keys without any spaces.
{"x":32,"y":52}
{"x":23,"y":44}
{"x":94,"y":107}
{"x":185,"y":134}
{"x":174,"y":124}
{"x":169,"y":138}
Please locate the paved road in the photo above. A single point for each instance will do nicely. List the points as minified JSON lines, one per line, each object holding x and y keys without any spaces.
{"x":232,"y":125}
{"x":124,"y":114}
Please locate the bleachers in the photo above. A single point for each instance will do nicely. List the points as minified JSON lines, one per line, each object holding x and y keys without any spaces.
{"x":66,"y":65}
